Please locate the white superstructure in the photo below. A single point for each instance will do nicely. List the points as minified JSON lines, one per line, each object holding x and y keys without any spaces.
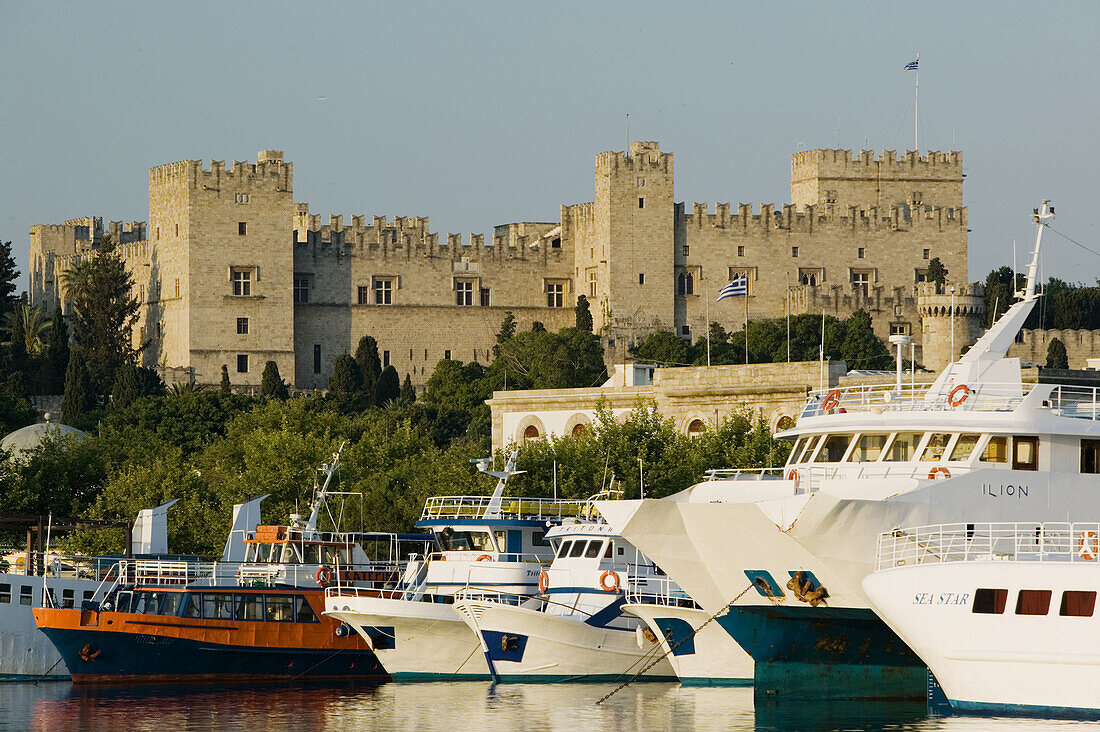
{"x":1003,"y":614}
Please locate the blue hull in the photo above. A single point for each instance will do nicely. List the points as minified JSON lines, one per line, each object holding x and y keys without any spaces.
{"x":825,"y":653}
{"x":133,"y":657}
{"x":1025,"y":710}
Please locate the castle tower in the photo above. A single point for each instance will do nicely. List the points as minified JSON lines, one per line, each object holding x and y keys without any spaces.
{"x":221,"y":279}
{"x":625,"y":266}
{"x":947,"y":308}
{"x":833,"y":178}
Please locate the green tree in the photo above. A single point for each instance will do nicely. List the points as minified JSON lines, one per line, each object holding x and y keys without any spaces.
{"x":103,"y":317}
{"x":78,"y":398}
{"x":537,"y":327}
{"x":8,"y":275}
{"x":388,"y":388}
{"x":662,"y":347}
{"x":936,"y":273}
{"x":543,"y":360}
{"x":272,"y":385}
{"x":861,"y":348}
{"x":57,"y":353}
{"x":408,"y":392}
{"x":126,"y":389}
{"x":370,"y":365}
{"x":583,"y":314}
{"x":1057,"y":358}
{"x":225,"y":387}
{"x":18,"y":359}
{"x":507,"y":327}
{"x":999,"y":288}
{"x":32,"y":323}
{"x":15,"y":412}
{"x":346,"y":380}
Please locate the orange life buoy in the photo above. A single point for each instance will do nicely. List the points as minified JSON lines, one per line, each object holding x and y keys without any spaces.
{"x":793,"y":475}
{"x":609,"y":581}
{"x":958,"y":395}
{"x":544,"y":582}
{"x":485,"y":558}
{"x":323,"y":576}
{"x":938,"y":471}
{"x":1087,"y":547}
{"x":832,"y":400}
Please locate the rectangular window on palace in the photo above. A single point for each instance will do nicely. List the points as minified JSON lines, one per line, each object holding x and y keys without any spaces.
{"x":242,"y":363}
{"x":242,"y":326}
{"x":383,"y":291}
{"x":484,"y":297}
{"x":989,"y":601}
{"x":362,"y":294}
{"x":242,"y":228}
{"x":1033,"y":602}
{"x":242,"y":282}
{"x":316,"y":358}
{"x":555,"y":295}
{"x":385,"y":358}
{"x":464,"y":293}
{"x":301,"y":290}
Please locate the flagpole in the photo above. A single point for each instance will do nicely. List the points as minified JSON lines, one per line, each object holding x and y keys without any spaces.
{"x":916,"y":97}
{"x":746,"y":320}
{"x":707,"y":290}
{"x":789,"y":314}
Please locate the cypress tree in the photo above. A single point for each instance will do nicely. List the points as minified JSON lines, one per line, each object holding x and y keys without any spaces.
{"x":225,"y":387}
{"x":388,"y":388}
{"x":126,"y":388}
{"x":57,"y":353}
{"x":346,"y":380}
{"x":583,"y":313}
{"x":507,"y":327}
{"x":366,"y":355}
{"x":272,"y":384}
{"x":78,"y":398}
{"x":1057,"y":358}
{"x":408,"y":392}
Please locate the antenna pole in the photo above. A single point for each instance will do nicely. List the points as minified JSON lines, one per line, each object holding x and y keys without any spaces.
{"x":628,"y":135}
{"x":916,"y":97}
{"x":707,"y":287}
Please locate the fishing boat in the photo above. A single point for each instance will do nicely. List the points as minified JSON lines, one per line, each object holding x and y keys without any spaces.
{"x":254,"y":617}
{"x":575,"y":629}
{"x":487,"y":544}
{"x":779,"y":555}
{"x":1002,"y":613}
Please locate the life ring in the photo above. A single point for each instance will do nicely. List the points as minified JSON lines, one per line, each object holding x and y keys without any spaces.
{"x":793,"y":476}
{"x":485,"y":558}
{"x":544,"y":582}
{"x":609,"y":581}
{"x":938,"y":471}
{"x":323,"y":576}
{"x":958,"y":395}
{"x":1087,"y":547}
{"x":832,"y":400}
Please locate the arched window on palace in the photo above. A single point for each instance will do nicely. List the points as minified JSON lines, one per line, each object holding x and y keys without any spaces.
{"x":579,"y":429}
{"x":531,"y":433}
{"x":695,"y":428}
{"x":685,"y":284}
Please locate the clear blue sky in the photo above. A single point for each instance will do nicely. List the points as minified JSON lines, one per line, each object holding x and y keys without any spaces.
{"x":477,"y":114}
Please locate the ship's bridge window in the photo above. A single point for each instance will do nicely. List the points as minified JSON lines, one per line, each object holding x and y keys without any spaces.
{"x":608,"y":554}
{"x":799,"y":446}
{"x":1078,"y":603}
{"x":1090,"y":456}
{"x":311,"y":554}
{"x":903,"y":447}
{"x":964,"y":446}
{"x":594,"y":548}
{"x":834,"y":448}
{"x":935,"y":447}
{"x":538,"y":538}
{"x":1033,"y":602}
{"x":868,"y":448}
{"x":289,"y":555}
{"x":563,"y":549}
{"x":811,"y":446}
{"x":170,"y":603}
{"x":996,"y":450}
{"x":578,"y":549}
{"x":334,"y":555}
{"x":989,"y":602}
{"x":459,"y":541}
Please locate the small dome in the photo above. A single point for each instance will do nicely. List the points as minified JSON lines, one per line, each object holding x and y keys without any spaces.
{"x":27,"y":438}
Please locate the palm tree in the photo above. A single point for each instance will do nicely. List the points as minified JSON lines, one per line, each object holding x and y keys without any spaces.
{"x":35,"y":325}
{"x":74,"y":280}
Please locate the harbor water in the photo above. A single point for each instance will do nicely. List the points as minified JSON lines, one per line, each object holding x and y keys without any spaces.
{"x":460,"y":706}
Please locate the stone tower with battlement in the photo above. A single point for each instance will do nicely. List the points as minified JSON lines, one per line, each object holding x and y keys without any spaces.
{"x":950,"y":314}
{"x":221,"y":282}
{"x":835,"y":180}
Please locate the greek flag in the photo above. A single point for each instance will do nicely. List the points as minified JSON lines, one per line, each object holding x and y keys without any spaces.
{"x":738,"y":287}
{"x":912,"y":65}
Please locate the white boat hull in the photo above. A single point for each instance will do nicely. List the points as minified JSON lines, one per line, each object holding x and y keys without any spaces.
{"x":553,"y":648}
{"x":1003,"y":662}
{"x":413,"y":640}
{"x":700,"y":652}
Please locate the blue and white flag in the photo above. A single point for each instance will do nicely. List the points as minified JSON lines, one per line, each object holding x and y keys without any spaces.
{"x":912,"y":65}
{"x":738,"y":287}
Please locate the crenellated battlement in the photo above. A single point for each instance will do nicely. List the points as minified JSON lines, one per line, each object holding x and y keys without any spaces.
{"x":788,"y":217}
{"x":644,"y":156}
{"x":269,"y":170}
{"x":827,"y":163}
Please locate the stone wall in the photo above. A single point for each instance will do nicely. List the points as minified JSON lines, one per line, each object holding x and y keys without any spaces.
{"x":1081,"y":346}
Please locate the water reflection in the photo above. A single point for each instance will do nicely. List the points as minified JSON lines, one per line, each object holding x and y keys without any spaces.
{"x":460,"y":706}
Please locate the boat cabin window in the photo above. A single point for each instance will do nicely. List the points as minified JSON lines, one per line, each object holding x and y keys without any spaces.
{"x":799,"y":446}
{"x":280,"y":608}
{"x":1090,"y":456}
{"x":563,"y":550}
{"x":1078,"y":603}
{"x":903,"y":447}
{"x":833,"y":449}
{"x":1025,"y":453}
{"x":5,"y":592}
{"x":811,"y":445}
{"x":996,"y":450}
{"x":192,"y":607}
{"x":538,"y":538}
{"x":964,"y":446}
{"x":578,"y":548}
{"x":304,"y":612}
{"x":250,"y":607}
{"x":170,"y":603}
{"x":1033,"y":602}
{"x":502,"y":540}
{"x":868,"y":448}
{"x":465,"y":541}
{"x":216,"y":606}
{"x":989,"y":602}
{"x":594,"y":548}
{"x":935,"y":447}
{"x":288,"y":555}
{"x":608,"y":554}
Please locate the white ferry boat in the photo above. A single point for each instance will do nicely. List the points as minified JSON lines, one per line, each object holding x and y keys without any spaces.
{"x":489,"y":544}
{"x":575,"y":630}
{"x":700,"y":651}
{"x":1002,"y":613}
{"x":779,"y":555}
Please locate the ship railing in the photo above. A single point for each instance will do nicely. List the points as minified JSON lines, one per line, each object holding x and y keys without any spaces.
{"x":881,"y":398}
{"x":455,"y":507}
{"x":52,"y":564}
{"x":743,"y":474}
{"x":999,"y":541}
{"x":657,"y":591}
{"x":809,"y":478}
{"x":1079,"y":402}
{"x":475,"y":556}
